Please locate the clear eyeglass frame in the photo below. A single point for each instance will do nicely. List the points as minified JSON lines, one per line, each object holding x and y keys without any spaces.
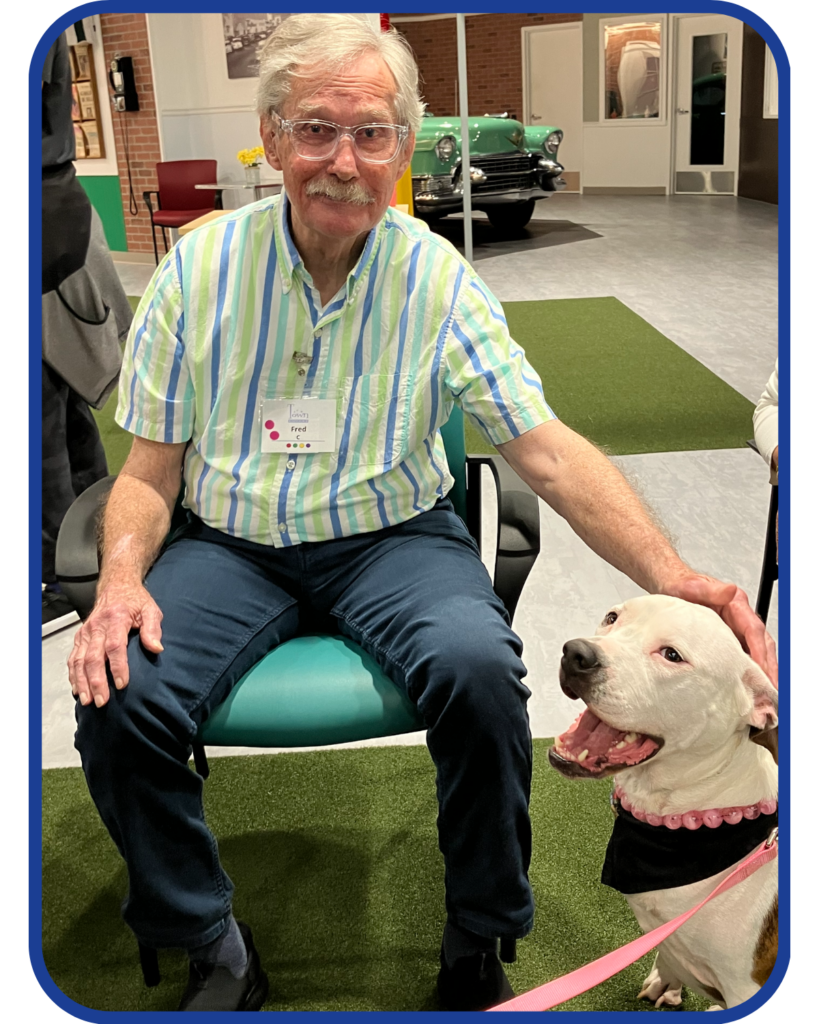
{"x":287,"y":126}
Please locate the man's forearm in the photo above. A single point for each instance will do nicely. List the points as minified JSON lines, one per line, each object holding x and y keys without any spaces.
{"x":138,"y":514}
{"x":580,"y":483}
{"x":135,"y":523}
{"x":614,"y":523}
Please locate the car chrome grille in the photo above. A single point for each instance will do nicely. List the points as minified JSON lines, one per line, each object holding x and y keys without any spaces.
{"x":505,"y":183}
{"x":432,"y":184}
{"x":505,"y":173}
{"x":514,"y":163}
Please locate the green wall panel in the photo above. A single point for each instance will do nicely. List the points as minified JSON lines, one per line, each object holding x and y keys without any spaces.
{"x":105,"y":196}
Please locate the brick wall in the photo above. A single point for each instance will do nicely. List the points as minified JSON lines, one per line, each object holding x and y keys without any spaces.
{"x":128,"y":34}
{"x":493,"y":56}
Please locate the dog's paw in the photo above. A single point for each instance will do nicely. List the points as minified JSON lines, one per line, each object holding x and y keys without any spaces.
{"x":660,"y":991}
{"x":671,"y":997}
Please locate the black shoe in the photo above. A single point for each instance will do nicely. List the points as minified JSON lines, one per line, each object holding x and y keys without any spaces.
{"x":475,"y":982}
{"x":58,"y":611}
{"x":213,"y":987}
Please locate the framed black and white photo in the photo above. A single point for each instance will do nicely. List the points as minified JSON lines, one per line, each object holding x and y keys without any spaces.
{"x":245,"y":35}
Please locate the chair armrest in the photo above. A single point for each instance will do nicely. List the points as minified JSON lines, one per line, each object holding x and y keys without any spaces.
{"x":77,"y":561}
{"x":147,"y":197}
{"x":518,"y":529}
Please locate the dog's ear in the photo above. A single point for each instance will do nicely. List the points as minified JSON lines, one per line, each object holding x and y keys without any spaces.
{"x":763,"y":717}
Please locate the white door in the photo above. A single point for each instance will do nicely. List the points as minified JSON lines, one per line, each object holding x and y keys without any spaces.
{"x":706,"y":112}
{"x":553,"y":89}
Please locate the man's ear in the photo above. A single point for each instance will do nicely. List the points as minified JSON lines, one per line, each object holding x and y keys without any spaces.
{"x":270,"y":142}
{"x":406,"y":155}
{"x":763,"y":716}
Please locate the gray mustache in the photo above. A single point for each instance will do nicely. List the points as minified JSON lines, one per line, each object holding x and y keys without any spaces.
{"x":343,"y":191}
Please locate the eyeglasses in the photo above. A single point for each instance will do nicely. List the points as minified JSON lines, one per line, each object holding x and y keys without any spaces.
{"x":318,"y":140}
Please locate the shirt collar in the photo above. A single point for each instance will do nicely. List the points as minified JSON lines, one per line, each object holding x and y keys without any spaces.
{"x":290,"y":262}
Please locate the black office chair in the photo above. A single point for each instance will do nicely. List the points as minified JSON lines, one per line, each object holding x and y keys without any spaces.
{"x":317,"y":690}
{"x":770,"y":559}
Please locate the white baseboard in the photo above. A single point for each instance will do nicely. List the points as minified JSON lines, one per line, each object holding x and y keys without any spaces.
{"x":146,"y":258}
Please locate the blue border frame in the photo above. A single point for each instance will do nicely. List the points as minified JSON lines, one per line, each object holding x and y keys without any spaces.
{"x":35,"y":489}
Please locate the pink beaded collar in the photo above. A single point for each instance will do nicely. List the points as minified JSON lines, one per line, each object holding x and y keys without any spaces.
{"x":693,"y":819}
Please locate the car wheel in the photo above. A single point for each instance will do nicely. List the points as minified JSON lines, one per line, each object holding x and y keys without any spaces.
{"x":511,"y":216}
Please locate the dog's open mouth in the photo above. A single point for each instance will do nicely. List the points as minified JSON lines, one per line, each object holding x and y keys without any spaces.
{"x":590,"y":747}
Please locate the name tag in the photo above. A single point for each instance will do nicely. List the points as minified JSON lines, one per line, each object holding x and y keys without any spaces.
{"x":300,"y":425}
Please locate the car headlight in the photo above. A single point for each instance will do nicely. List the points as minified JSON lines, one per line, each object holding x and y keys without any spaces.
{"x":445,"y":148}
{"x":552,"y":141}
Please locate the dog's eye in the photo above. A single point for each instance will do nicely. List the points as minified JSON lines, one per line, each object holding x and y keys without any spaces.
{"x":610,"y":619}
{"x":670,"y":654}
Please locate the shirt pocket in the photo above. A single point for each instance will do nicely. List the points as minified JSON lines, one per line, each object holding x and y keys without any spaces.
{"x":374,"y":421}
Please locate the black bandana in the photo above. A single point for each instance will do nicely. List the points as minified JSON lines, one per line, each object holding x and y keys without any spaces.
{"x":643,"y":858}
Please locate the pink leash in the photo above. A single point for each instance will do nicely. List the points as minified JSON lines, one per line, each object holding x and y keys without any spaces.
{"x":570,"y":985}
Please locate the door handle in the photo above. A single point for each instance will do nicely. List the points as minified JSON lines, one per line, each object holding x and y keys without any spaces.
{"x":536,"y":117}
{"x":680,"y":111}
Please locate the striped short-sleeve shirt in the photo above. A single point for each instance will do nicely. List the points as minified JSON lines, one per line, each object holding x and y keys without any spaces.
{"x":232,"y":319}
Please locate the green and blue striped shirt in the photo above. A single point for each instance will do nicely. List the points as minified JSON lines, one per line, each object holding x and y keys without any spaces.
{"x":232,"y":318}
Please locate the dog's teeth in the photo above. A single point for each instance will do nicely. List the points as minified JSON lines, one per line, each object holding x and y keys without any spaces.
{"x":631,"y":737}
{"x":583,"y":756}
{"x":620,"y":745}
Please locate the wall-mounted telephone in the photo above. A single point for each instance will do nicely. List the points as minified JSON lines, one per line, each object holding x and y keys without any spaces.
{"x":121,"y":77}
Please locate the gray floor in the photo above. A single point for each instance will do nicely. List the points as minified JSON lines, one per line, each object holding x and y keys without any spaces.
{"x":135,"y":277}
{"x":703,"y":270}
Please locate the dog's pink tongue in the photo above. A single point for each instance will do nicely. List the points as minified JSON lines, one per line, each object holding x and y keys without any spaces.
{"x":595,"y":744}
{"x":589,"y":733}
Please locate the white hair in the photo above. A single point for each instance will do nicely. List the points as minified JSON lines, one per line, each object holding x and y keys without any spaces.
{"x":305,"y":45}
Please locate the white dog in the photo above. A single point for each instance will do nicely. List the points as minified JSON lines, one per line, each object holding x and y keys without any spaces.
{"x":686,"y":721}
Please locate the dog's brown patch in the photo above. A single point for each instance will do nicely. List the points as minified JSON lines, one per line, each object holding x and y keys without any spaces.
{"x":767,"y":945}
{"x":714,"y":993}
{"x":768,"y":738}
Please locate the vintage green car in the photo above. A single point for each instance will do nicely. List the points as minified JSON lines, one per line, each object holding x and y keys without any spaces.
{"x":511,"y":167}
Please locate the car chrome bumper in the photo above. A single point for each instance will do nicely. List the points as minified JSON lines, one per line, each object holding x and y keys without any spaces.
{"x":443,"y":193}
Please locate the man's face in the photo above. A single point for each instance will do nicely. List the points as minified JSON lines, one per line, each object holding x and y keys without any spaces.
{"x":362,"y":93}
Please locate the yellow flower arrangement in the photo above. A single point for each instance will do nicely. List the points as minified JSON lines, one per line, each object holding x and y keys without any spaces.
{"x":250,"y":157}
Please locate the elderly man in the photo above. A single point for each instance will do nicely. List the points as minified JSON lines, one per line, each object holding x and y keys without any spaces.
{"x":326,"y":296}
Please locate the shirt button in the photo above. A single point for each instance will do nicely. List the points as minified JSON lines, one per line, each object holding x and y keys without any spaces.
{"x":301,"y":371}
{"x":282,"y":527}
{"x":291,"y":463}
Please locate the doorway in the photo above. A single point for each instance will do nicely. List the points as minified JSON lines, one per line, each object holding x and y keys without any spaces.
{"x":553,"y":88}
{"x":707,"y":105}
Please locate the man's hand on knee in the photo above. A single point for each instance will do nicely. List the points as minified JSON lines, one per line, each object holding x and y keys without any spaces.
{"x":103,"y":638}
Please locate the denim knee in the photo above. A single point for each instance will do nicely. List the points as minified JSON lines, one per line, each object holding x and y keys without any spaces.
{"x":476,"y":669}
{"x":137,"y":720}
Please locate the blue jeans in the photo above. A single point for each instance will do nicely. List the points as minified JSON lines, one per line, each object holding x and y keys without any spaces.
{"x":418,"y":599}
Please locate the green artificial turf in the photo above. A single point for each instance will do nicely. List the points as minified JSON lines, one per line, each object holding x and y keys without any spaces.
{"x":115,"y":440}
{"x":336,"y":866}
{"x":615,"y":379}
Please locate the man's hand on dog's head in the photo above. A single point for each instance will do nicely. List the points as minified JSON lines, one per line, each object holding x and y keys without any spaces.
{"x":730,"y":602}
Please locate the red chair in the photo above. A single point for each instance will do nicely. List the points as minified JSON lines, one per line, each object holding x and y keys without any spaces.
{"x":178,"y":201}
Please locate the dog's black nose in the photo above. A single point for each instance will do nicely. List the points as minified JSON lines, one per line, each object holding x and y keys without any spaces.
{"x":578,"y":657}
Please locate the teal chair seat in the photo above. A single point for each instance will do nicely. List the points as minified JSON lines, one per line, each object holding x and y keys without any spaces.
{"x":311,"y":691}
